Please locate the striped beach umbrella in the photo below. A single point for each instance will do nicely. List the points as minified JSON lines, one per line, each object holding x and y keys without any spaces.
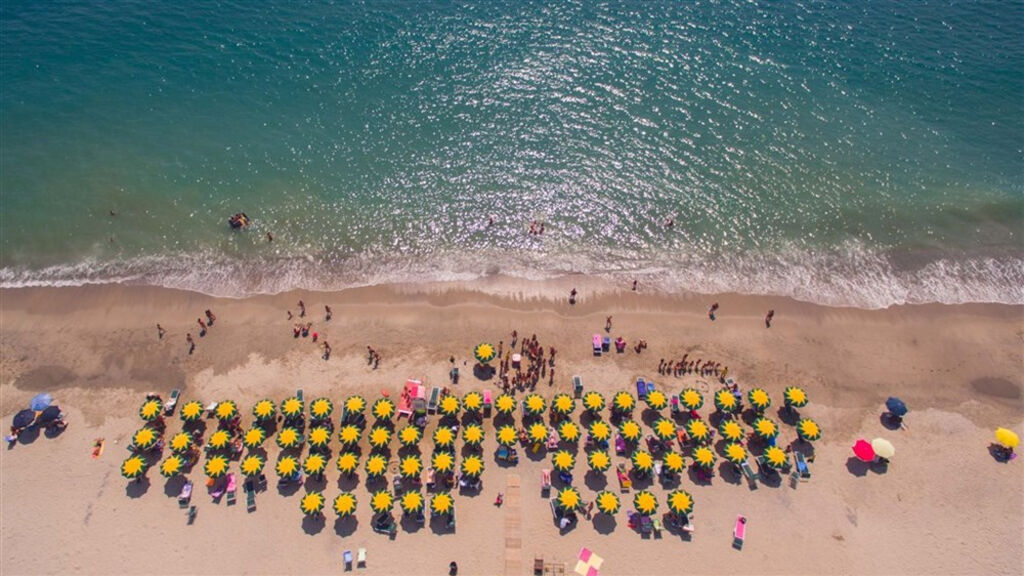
{"x":538,"y":432}
{"x":765,"y":428}
{"x":630,"y":430}
{"x":656,"y":399}
{"x":600,"y":431}
{"x":759,"y":399}
{"x":319,"y":437}
{"x":411,"y":502}
{"x":623,"y":402}
{"x":410,"y":466}
{"x":665,"y":429}
{"x":795,"y":396}
{"x":674,"y":462}
{"x":144,"y":438}
{"x":172,"y":466}
{"x":133,"y":467}
{"x":191,"y":411}
{"x":534,"y":404}
{"x":473,"y":434}
{"x":484,"y":352}
{"x":252,"y":464}
{"x":321,"y":408}
{"x":380,"y":437}
{"x":442,"y":503}
{"x":443,"y":461}
{"x":348,"y":462}
{"x":593,"y":402}
{"x":218,"y":440}
{"x":315,"y":464}
{"x":735,"y":452}
{"x":216,"y":466}
{"x":680,"y":502}
{"x":691,"y":399}
{"x":472,"y":466}
{"x":808,"y":430}
{"x":264,"y":410}
{"x":775,"y":457}
{"x":254,"y":437}
{"x":292,"y":408}
{"x":731,"y":430}
{"x":289,"y":438}
{"x":642,"y":461}
{"x":563,"y":404}
{"x":383,"y":409}
{"x":599,"y":460}
{"x":345,"y":504}
{"x":569,"y":431}
{"x":382,"y":501}
{"x":507,"y":436}
{"x":349,"y":434}
{"x":704,"y":457}
{"x":698,"y":430}
{"x":645,"y":503}
{"x":287,"y":467}
{"x":568,"y":498}
{"x":473,"y":402}
{"x":355,"y":404}
{"x":608,"y":502}
{"x":505,"y":404}
{"x":181,"y":442}
{"x":449,"y":405}
{"x":563,"y":461}
{"x":410,"y":435}
{"x":151,"y":409}
{"x":226,"y":410}
{"x":312,"y":503}
{"x":443,"y":437}
{"x":726,"y":401}
{"x":376,"y":465}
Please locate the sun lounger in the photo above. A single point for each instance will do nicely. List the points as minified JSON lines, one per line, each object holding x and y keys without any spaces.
{"x":232,"y":488}
{"x":620,"y":444}
{"x":577,"y":386}
{"x":625,"y":484}
{"x":674,"y":405}
{"x":361,"y":558}
{"x":646,"y":526}
{"x":185,"y":496}
{"x":597,"y":344}
{"x":250,"y":500}
{"x":545,"y":482}
{"x":172,"y":401}
{"x":606,"y":344}
{"x":801,"y":465}
{"x":487,"y":403}
{"x":552,"y":440}
{"x":650,"y":388}
{"x":538,"y":565}
{"x":217,"y":490}
{"x":749,"y":472}
{"x":348,"y":560}
{"x":641,"y":389}
{"x":739,"y":532}
{"x":191,"y":515}
{"x":298,"y":394}
{"x":657,"y":526}
{"x":435,"y":394}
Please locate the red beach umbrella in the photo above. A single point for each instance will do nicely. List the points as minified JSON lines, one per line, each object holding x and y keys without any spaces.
{"x":863,"y":450}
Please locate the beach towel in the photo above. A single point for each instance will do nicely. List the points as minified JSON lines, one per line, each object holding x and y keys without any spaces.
{"x":97,"y":448}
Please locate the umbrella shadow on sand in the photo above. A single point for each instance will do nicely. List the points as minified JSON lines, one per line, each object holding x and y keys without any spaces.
{"x":346,"y":526}
{"x":348,"y":482}
{"x":788,"y":415}
{"x":595,"y":480}
{"x":604,"y":523}
{"x":136,"y":488}
{"x":727,"y":471}
{"x":29,"y":435}
{"x":890,"y":421}
{"x":313,"y":525}
{"x":857,"y":467}
{"x":173,"y":486}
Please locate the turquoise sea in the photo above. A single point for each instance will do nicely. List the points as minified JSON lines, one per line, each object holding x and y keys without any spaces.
{"x":849,"y":153}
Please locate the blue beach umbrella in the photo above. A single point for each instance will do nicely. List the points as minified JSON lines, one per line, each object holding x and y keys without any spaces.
{"x":40,"y":401}
{"x":896,"y":406}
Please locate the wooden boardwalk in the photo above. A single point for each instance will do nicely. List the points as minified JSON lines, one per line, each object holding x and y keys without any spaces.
{"x":513,"y":528}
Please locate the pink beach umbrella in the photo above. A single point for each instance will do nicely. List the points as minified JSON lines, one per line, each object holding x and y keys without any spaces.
{"x":863,"y":450}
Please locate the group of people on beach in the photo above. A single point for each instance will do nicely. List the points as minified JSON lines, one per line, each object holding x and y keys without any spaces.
{"x":305,"y":329}
{"x":203,"y":327}
{"x":372,"y":357}
{"x":699,"y":367}
{"x":511,"y":373}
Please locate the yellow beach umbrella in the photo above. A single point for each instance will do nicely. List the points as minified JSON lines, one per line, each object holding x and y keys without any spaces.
{"x":292,"y":408}
{"x":345,"y":504}
{"x":473,"y":402}
{"x":656,"y":399}
{"x":472,"y":466}
{"x":442,"y":503}
{"x":698,"y":430}
{"x":315,"y":464}
{"x":287,"y":467}
{"x":680,"y":502}
{"x":735,"y":452}
{"x":226,"y":410}
{"x":265,"y":409}
{"x":505,"y":404}
{"x":731,"y":430}
{"x":144,"y":438}
{"x":216,"y":466}
{"x":759,"y":399}
{"x":795,"y":396}
{"x":252,"y":464}
{"x":883,"y":448}
{"x":691,"y":399}
{"x":380,"y":437}
{"x":289,"y":438}
{"x":534,"y":404}
{"x":775,"y":457}
{"x":600,"y":431}
{"x":473,"y":434}
{"x":765,"y":428}
{"x":319,"y":437}
{"x":382,"y":501}
{"x":568,"y":498}
{"x":569,"y":431}
{"x":593,"y":402}
{"x":151,"y":409}
{"x":449,"y":405}
{"x":219,"y":439}
{"x":355,"y":405}
{"x":674,"y":462}
{"x":645,"y":503}
{"x":643,"y":461}
{"x":383,"y":409}
{"x":507,"y":436}
{"x":443,"y":461}
{"x":665,"y":429}
{"x":484,"y":352}
{"x":181,"y":442}
{"x":563,"y":404}
{"x":191,"y":411}
{"x":348,"y":462}
{"x":630,"y":430}
{"x":1008,"y":438}
{"x":349,"y":434}
{"x":376,"y":465}
{"x":704,"y":457}
{"x":608,"y":502}
{"x":412,"y":502}
{"x":599,"y":460}
{"x":312,"y":503}
{"x":443,"y":437}
{"x":808,"y":430}
{"x":172,"y":466}
{"x":321,"y":408}
{"x":538,"y":432}
{"x":254,"y":437}
{"x":623,"y":402}
{"x":410,"y":435}
{"x":726,"y":401}
{"x":563,"y":461}
{"x":411,"y":466}
{"x":133,"y":467}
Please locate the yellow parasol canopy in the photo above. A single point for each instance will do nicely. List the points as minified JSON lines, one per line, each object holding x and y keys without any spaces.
{"x":731,"y":430}
{"x":349,"y":434}
{"x":384,"y":409}
{"x":680,"y":502}
{"x":133,"y":467}
{"x":319,"y":436}
{"x":674,"y":462}
{"x":449,"y":405}
{"x":315,"y":464}
{"x":808,"y":430}
{"x":759,"y":399}
{"x":473,"y":402}
{"x":473,"y":434}
{"x":698,"y":430}
{"x":593,"y":401}
{"x":345,"y":504}
{"x":355,"y":404}
{"x":505,"y":404}
{"x":321,"y":408}
{"x":288,"y":438}
{"x":534,"y":404}
{"x":409,"y":435}
{"x":226,"y":410}
{"x":442,"y":503}
{"x":472,"y":465}
{"x":219,"y":439}
{"x":443,"y":461}
{"x":216,"y":466}
{"x":563,"y":461}
{"x":642,"y":460}
{"x":704,"y":457}
{"x":252,"y":464}
{"x":411,"y":466}
{"x":443,"y":437}
{"x":623,"y":401}
{"x":264,"y":409}
{"x":665,"y":429}
{"x":144,"y":437}
{"x":600,"y":430}
{"x":1007,"y":437}
{"x":599,"y":460}
{"x":312,"y":503}
{"x":191,"y":410}
{"x":287,"y":467}
{"x":795,"y":396}
{"x":765,"y":428}
{"x":151,"y":409}
{"x":645,"y":502}
{"x":656,"y":399}
{"x":412,"y":501}
{"x":735,"y":453}
{"x":608,"y":502}
{"x":347,"y":462}
{"x":569,"y":431}
{"x":254,"y":437}
{"x":172,"y":466}
{"x":382,"y":501}
{"x":538,"y":432}
{"x":181,"y":442}
{"x":568,"y":498}
{"x":775,"y":457}
{"x":376,"y":465}
{"x":507,"y":436}
{"x":726,"y":401}
{"x":292,"y":407}
{"x":563,"y":404}
{"x":630,"y":430}
{"x":380,"y":436}
{"x":691,"y":399}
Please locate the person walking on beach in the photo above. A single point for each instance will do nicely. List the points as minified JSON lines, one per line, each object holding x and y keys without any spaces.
{"x":768,"y":319}
{"x":608,"y":324}
{"x":191,"y":343}
{"x":202,"y":327}
{"x":160,"y":331}
{"x":572,"y":296}
{"x":327,"y":313}
{"x":327,"y":350}
{"x":634,"y":285}
{"x":712,"y":310}
{"x":302,"y":309}
{"x":210,"y":318}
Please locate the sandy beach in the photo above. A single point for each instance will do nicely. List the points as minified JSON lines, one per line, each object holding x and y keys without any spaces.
{"x":943,"y":505}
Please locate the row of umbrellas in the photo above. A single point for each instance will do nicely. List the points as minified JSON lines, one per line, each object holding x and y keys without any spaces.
{"x":644,"y":501}
{"x":411,"y":502}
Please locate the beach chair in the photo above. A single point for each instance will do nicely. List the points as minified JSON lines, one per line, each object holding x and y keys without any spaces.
{"x":185,"y":496}
{"x":641,"y":389}
{"x":749,"y":473}
{"x":606,"y":344}
{"x":298,"y":394}
{"x":347,"y":556}
{"x":250,"y":500}
{"x":435,"y":394}
{"x":674,"y":405}
{"x":454,"y":375}
{"x":487,"y":403}
{"x":232,"y":489}
{"x":658,"y":527}
{"x":172,"y":401}
{"x":545,"y":482}
{"x":552,"y":440}
{"x":361,"y":558}
{"x":538,"y":565}
{"x":577,"y":386}
{"x":217,"y":490}
{"x":646,"y":526}
{"x":192,"y":515}
{"x":620,"y":445}
{"x":597,"y":344}
{"x":739,"y":532}
{"x":801,"y":465}
{"x":625,"y":484}
{"x":650,"y":388}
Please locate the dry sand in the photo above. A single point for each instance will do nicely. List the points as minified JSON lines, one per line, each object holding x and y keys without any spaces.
{"x":944,"y":506}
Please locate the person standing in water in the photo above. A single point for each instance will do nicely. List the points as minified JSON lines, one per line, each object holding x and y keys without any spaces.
{"x":768,"y":319}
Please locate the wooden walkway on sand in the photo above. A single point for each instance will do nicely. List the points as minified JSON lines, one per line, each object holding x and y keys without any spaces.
{"x":513,"y":528}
